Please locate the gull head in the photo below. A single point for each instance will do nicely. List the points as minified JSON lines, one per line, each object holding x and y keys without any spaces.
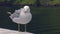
{"x":27,"y":9}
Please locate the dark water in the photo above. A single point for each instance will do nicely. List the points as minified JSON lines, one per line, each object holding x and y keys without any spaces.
{"x":44,"y":20}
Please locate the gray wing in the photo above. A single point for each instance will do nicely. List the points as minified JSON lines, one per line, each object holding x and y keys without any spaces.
{"x":16,"y":14}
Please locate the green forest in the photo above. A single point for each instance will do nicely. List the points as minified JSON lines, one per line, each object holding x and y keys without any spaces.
{"x":22,"y":2}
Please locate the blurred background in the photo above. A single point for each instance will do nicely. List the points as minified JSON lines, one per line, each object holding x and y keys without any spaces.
{"x":45,"y":20}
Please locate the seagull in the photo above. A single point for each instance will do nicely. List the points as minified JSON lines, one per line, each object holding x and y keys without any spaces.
{"x":21,"y":16}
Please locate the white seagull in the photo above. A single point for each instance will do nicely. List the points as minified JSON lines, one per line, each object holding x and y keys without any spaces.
{"x":21,"y":16}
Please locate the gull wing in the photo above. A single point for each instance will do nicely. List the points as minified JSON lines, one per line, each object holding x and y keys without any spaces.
{"x":16,"y":14}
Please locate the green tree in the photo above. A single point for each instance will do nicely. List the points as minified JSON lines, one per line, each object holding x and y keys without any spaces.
{"x":2,"y":0}
{"x":53,"y":2}
{"x":22,"y":2}
{"x":44,"y":2}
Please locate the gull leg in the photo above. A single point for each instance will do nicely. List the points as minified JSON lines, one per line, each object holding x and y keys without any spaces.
{"x":25,"y":27}
{"x":19,"y":27}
